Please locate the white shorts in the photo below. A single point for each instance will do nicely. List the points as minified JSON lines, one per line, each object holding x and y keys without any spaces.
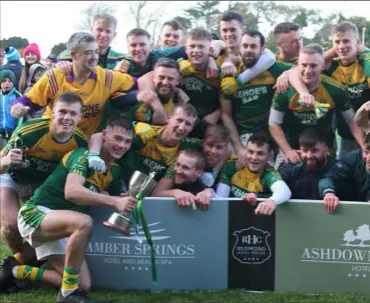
{"x":24,"y":190}
{"x":29,"y":219}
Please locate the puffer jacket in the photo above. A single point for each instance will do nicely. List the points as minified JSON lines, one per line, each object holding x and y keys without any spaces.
{"x":7,"y":122}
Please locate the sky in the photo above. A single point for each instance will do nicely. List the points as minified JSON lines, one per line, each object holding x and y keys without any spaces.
{"x":51,"y":22}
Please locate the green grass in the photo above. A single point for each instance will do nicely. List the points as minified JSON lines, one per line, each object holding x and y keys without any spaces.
{"x":45,"y":294}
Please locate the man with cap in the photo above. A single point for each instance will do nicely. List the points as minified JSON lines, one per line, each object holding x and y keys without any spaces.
{"x":13,"y":63}
{"x":8,"y":94}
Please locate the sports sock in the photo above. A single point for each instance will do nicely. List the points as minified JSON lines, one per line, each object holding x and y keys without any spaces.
{"x":70,"y":281}
{"x":23,"y":272}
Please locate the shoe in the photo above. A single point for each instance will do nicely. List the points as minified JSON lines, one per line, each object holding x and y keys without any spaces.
{"x":6,"y":274}
{"x":78,"y":296}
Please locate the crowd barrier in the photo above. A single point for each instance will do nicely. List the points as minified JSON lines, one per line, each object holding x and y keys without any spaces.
{"x":299,"y":248}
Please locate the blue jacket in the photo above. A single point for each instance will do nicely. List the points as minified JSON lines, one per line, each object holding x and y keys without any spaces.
{"x":7,"y":122}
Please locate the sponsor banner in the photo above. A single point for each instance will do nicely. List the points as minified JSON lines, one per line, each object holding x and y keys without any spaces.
{"x":251,"y":248}
{"x":320,"y":253}
{"x":191,"y":249}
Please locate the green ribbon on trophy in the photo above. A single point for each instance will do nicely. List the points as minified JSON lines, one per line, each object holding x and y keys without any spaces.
{"x":140,"y":186}
{"x":139,"y":217}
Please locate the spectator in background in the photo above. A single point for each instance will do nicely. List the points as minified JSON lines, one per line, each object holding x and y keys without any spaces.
{"x":51,"y":60}
{"x":36,"y":72}
{"x":31,"y":56}
{"x":8,"y":93}
{"x":13,"y":63}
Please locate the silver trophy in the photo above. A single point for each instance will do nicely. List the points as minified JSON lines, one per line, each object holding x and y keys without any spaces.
{"x":139,"y":183}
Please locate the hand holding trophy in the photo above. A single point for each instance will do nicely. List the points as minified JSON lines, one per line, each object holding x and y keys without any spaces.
{"x":140,"y":186}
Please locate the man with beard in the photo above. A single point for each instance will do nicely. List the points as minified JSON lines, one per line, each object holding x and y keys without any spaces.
{"x":289,"y":41}
{"x":155,"y":147}
{"x":257,"y":178}
{"x":104,"y":29}
{"x":246,"y":111}
{"x":54,"y":220}
{"x":353,"y":169}
{"x":153,"y":106}
{"x":186,"y":187}
{"x":47,"y":141}
{"x":288,"y":116}
{"x":303,"y":177}
{"x":232,"y":29}
{"x":94,"y":84}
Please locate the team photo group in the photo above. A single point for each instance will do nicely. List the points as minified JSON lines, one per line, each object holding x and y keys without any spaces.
{"x":205,"y":114}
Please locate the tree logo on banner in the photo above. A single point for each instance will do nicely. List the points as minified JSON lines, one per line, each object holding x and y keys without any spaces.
{"x":251,"y":246}
{"x":360,"y":237}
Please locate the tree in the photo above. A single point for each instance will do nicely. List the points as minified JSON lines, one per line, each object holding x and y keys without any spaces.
{"x":16,"y":42}
{"x":363,"y":233}
{"x":148,"y":15}
{"x":349,"y":236}
{"x":205,"y":14}
{"x":362,"y":23}
{"x":185,"y":22}
{"x":323,"y":35}
{"x":58,"y":48}
{"x":88,"y":13}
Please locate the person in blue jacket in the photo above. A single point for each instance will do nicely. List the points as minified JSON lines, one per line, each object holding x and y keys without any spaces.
{"x":8,"y":94}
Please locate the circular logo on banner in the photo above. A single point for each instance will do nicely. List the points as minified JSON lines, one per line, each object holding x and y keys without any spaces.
{"x":251,"y":246}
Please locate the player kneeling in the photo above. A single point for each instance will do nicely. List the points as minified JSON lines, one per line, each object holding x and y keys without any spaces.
{"x":54,"y":220}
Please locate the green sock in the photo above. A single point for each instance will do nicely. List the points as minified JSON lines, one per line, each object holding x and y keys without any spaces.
{"x":23,"y":272}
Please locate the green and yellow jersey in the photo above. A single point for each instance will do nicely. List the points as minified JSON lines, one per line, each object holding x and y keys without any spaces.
{"x":251,"y":103}
{"x":243,"y":181}
{"x":204,"y":93}
{"x":44,"y":152}
{"x":154,"y":155}
{"x":356,"y":78}
{"x":51,"y":193}
{"x":95,"y":93}
{"x":297,"y":118}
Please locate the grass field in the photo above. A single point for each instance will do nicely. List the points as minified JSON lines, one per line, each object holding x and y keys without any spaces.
{"x":45,"y":294}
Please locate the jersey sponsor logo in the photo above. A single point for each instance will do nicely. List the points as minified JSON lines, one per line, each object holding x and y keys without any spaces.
{"x":155,"y":166}
{"x":307,"y":118}
{"x":250,"y":94}
{"x":194,"y":84}
{"x":93,"y":188}
{"x":237,"y":192}
{"x":90,"y":110}
{"x":355,"y":91}
{"x":43,"y":166}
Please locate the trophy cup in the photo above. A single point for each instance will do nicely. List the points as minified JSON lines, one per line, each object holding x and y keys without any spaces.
{"x":25,"y":162}
{"x":141,"y":184}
